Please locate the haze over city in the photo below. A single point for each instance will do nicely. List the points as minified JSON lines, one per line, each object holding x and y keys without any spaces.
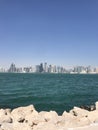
{"x":60,"y":32}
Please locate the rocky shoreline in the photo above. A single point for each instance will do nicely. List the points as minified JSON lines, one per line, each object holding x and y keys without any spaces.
{"x":27,"y":118}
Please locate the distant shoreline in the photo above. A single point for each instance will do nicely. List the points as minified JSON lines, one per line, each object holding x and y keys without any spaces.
{"x":47,"y":73}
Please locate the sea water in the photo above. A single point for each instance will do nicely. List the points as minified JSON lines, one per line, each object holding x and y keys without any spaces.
{"x":47,"y":92}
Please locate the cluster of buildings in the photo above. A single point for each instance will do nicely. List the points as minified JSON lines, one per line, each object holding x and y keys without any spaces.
{"x":45,"y":68}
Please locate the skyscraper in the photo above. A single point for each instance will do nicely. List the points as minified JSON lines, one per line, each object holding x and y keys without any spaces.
{"x":41,"y":68}
{"x":12,"y":68}
{"x":45,"y":67}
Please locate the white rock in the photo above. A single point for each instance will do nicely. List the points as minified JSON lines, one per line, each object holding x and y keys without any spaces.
{"x":41,"y":117}
{"x":7,"y":126}
{"x":8,"y":111}
{"x":51,"y":116}
{"x":6,"y":119}
{"x":15,"y":126}
{"x":46,"y":126}
{"x":79,"y":112}
{"x":20,"y":113}
{"x":2,"y":112}
{"x":96,"y":105}
{"x":21,"y":126}
{"x":33,"y":119}
{"x":27,"y":118}
{"x":68,"y":116}
{"x":93,"y":116}
{"x":83,"y":121}
{"x":71,"y":121}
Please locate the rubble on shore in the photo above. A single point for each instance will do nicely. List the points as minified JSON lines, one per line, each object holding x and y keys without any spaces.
{"x":27,"y":118}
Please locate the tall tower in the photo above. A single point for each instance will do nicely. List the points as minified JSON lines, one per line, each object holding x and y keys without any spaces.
{"x":45,"y":67}
{"x":41,"y":68}
{"x":12,"y":68}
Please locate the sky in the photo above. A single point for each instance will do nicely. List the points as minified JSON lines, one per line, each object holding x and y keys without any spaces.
{"x":61,"y":32}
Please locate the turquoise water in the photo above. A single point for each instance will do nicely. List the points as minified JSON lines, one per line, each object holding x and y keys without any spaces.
{"x":57,"y":92}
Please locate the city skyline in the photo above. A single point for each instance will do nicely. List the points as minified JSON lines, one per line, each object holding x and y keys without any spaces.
{"x":50,"y":68}
{"x":59,"y":32}
{"x":32,"y":65}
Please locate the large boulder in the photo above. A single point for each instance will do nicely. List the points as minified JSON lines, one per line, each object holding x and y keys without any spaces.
{"x":47,"y":126}
{"x":68,"y":116}
{"x":5,"y":112}
{"x":51,"y":116}
{"x":93,"y":116}
{"x":79,"y":112}
{"x":43,"y":117}
{"x":33,"y":119}
{"x":66,"y":119}
{"x":16,"y":126}
{"x":5,"y":116}
{"x":72,"y":121}
{"x":6,"y":119}
{"x":20,"y":113}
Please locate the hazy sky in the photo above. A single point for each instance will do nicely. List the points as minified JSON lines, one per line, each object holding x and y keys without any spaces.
{"x":62,"y":32}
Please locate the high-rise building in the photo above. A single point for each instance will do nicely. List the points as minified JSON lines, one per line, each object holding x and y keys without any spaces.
{"x":45,"y":67}
{"x":37,"y":68}
{"x":41,"y":68}
{"x":12,"y":68}
{"x":2,"y":70}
